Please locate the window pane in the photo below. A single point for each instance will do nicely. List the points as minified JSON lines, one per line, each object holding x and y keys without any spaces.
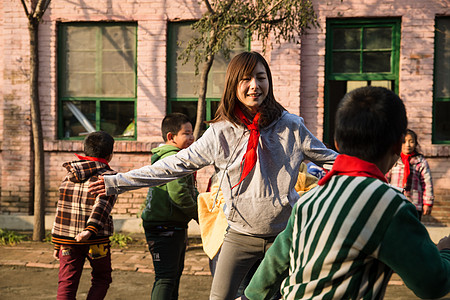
{"x":214,"y":107}
{"x":80,"y":38}
{"x":383,"y":83}
{"x":442,"y":71}
{"x":89,"y":52}
{"x":79,"y":57}
{"x":80,"y":83}
{"x":117,"y":85}
{"x":377,"y":38}
{"x":346,"y":62}
{"x":117,"y":118}
{"x":78,"y":118}
{"x":346,"y":38}
{"x":189,"y":108}
{"x":118,"y":56}
{"x":182,"y":81}
{"x":352,"y":85}
{"x":119,"y":38}
{"x":377,"y":62}
{"x":442,"y":121}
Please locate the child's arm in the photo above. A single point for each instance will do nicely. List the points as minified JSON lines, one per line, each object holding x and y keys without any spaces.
{"x":409,"y":251}
{"x":56,"y":251}
{"x":274,"y":267}
{"x":444,"y":243}
{"x":427,"y":187}
{"x":99,"y":216}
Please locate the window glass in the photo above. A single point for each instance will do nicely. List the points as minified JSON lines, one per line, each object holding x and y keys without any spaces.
{"x":79,"y":118}
{"x":376,"y":62}
{"x":183,"y":84}
{"x":360,"y":52}
{"x":377,"y":38}
{"x":442,"y":74}
{"x":117,"y":118}
{"x":346,"y":62}
{"x":97,"y":78}
{"x":367,"y":53}
{"x":441,"y":105}
{"x":346,"y":38}
{"x":442,"y":121}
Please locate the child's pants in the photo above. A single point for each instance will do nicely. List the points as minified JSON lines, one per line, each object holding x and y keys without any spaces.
{"x":71,"y":262}
{"x":168,"y":249}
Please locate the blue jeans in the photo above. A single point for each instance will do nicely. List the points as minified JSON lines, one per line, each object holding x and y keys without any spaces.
{"x":168,"y":249}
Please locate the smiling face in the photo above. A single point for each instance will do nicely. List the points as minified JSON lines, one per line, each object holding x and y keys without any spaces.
{"x":409,"y":145}
{"x":253,"y":88}
{"x":184,"y":137}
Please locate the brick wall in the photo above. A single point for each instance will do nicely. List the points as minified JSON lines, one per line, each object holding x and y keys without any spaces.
{"x":298,"y":74}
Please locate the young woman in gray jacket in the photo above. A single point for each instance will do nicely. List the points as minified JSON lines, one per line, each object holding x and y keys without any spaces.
{"x":256,"y":147}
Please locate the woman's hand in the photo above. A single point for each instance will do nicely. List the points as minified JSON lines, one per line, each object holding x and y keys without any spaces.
{"x":83,"y":236}
{"x":98,"y":187}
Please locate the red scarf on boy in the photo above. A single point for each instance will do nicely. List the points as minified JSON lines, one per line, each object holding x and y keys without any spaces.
{"x":251,"y":155}
{"x":353,"y":166}
{"x":102,"y":160}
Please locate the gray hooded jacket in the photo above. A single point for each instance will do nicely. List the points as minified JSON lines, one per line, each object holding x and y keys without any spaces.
{"x":262,"y":203}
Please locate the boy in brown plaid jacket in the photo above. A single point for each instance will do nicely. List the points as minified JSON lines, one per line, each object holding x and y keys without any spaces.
{"x":83,"y":223}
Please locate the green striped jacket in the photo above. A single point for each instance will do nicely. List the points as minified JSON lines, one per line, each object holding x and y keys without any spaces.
{"x":343,"y":240}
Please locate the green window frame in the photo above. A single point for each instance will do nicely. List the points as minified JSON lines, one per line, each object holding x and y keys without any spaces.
{"x":183,"y":83}
{"x":97,"y":76}
{"x":441,"y":93}
{"x":359,"y":52}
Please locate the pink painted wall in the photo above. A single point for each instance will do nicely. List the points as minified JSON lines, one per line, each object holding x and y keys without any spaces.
{"x":298,"y":74}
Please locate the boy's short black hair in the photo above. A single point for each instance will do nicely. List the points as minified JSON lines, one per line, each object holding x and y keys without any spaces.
{"x":172,"y":123}
{"x":98,"y":144}
{"x":369,"y":121}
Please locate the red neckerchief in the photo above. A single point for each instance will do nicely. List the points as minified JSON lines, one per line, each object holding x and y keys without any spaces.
{"x":406,"y":159}
{"x":251,"y":155}
{"x":102,"y":160}
{"x":352,"y":166}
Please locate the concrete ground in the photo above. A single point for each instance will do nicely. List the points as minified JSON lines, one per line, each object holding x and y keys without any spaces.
{"x":29,"y":270}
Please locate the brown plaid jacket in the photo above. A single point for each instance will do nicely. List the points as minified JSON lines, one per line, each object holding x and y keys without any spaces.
{"x":78,"y":210}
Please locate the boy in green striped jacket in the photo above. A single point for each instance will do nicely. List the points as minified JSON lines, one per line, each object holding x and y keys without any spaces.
{"x":346,"y":237}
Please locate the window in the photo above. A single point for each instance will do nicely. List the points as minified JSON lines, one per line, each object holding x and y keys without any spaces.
{"x":441,"y":105}
{"x":97,"y":79}
{"x":358,"y":53}
{"x":183,"y":85}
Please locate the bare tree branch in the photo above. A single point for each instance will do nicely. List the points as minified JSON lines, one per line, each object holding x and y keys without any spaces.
{"x":25,"y":8}
{"x":208,"y":6}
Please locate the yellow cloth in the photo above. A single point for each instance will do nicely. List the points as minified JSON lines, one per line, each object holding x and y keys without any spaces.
{"x":213,"y":224}
{"x":305,"y":181}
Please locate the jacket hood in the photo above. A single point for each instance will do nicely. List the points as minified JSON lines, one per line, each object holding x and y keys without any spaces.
{"x":162,"y":150}
{"x":80,"y":171}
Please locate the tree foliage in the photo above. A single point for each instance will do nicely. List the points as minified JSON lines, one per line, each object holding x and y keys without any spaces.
{"x":221,"y":26}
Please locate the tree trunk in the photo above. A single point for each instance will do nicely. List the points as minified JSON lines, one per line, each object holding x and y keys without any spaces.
{"x":201,"y":105}
{"x":38,"y":144}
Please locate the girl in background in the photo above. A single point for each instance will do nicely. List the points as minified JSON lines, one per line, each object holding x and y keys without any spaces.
{"x":412,"y":173}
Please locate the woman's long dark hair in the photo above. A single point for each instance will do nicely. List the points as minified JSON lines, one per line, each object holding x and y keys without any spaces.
{"x":240,"y":66}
